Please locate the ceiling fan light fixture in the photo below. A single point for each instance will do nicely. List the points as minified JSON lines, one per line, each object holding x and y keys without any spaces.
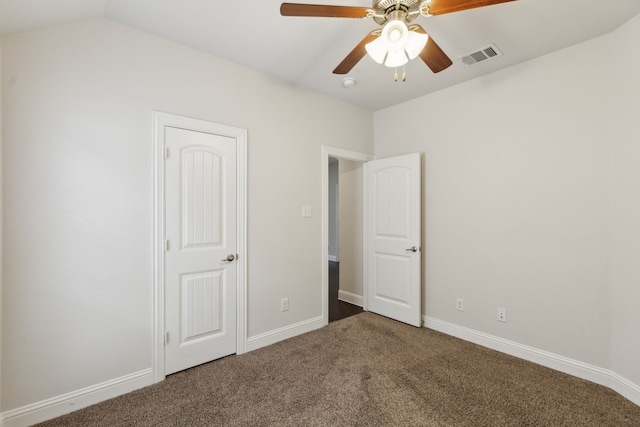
{"x":396,"y":44}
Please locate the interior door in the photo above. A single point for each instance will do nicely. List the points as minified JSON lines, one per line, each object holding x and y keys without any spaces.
{"x":393,"y":252}
{"x":200,"y":267}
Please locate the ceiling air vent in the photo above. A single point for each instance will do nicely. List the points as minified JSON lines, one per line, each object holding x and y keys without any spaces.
{"x":483,"y":54}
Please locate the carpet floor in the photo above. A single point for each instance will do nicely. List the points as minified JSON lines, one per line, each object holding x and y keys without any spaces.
{"x":365,"y":370}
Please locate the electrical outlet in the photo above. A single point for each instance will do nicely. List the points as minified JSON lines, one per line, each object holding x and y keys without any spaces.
{"x":502,"y":314}
{"x":284,"y":304}
{"x":459,"y":304}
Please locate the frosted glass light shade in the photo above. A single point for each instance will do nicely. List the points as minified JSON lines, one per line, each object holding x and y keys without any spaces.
{"x":377,"y":50}
{"x":396,"y":58}
{"x":415,"y":43}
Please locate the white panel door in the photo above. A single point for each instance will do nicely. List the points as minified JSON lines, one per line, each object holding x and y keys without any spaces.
{"x":200,"y":267}
{"x":393,"y":254}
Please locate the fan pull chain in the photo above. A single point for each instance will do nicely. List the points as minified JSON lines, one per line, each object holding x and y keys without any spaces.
{"x":404,"y":74}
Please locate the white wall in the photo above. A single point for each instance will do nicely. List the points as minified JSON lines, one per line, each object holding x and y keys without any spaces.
{"x":351,"y":215}
{"x":1,"y":220}
{"x":78,"y":195}
{"x":531,"y":200}
{"x":624,"y":201}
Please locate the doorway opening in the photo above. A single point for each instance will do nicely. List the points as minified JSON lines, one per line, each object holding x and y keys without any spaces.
{"x":345,"y":237}
{"x":343,"y":287}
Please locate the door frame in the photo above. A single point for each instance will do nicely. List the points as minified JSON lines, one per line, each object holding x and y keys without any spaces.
{"x":160,"y":122}
{"x":355,"y":156}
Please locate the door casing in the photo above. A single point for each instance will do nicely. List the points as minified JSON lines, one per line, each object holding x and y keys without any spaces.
{"x":160,"y":122}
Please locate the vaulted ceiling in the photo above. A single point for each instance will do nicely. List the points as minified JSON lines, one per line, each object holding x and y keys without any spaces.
{"x":304,"y":51}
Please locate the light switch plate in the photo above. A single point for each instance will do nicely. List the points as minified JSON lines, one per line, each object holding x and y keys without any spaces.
{"x":306,"y":212}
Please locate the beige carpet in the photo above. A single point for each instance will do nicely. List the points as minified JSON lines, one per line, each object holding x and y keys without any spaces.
{"x":365,"y":370}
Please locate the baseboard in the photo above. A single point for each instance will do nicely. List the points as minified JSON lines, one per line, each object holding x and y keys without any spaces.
{"x":66,"y":403}
{"x":272,"y":337}
{"x":569,"y":366}
{"x":333,"y":258}
{"x":69,"y":402}
{"x":350,"y":298}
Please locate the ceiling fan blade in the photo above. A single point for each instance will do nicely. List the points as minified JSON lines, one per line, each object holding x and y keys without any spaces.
{"x":440,"y":7}
{"x":356,"y":54}
{"x":323,"y":11}
{"x":432,"y":55}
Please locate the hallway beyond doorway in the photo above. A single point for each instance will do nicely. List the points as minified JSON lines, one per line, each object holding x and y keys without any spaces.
{"x":338,"y":309}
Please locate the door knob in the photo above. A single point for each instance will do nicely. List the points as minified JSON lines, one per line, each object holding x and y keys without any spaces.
{"x":229,"y":258}
{"x":412,"y":249}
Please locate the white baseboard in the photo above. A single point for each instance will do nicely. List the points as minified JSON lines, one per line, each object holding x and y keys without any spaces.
{"x":63,"y":404}
{"x":333,"y":258}
{"x":350,"y":298}
{"x":569,"y":366}
{"x":272,"y":337}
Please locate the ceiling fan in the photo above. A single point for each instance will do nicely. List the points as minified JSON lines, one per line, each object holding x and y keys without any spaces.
{"x":398,"y":40}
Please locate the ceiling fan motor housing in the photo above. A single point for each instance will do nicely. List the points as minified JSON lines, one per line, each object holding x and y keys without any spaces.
{"x":388,"y":10}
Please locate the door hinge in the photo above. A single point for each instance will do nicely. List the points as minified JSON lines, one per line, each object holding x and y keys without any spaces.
{"x":166,"y":245}
{"x":166,"y":152}
{"x":166,"y":338}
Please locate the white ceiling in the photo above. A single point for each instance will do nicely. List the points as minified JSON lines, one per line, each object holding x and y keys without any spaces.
{"x":304,"y":51}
